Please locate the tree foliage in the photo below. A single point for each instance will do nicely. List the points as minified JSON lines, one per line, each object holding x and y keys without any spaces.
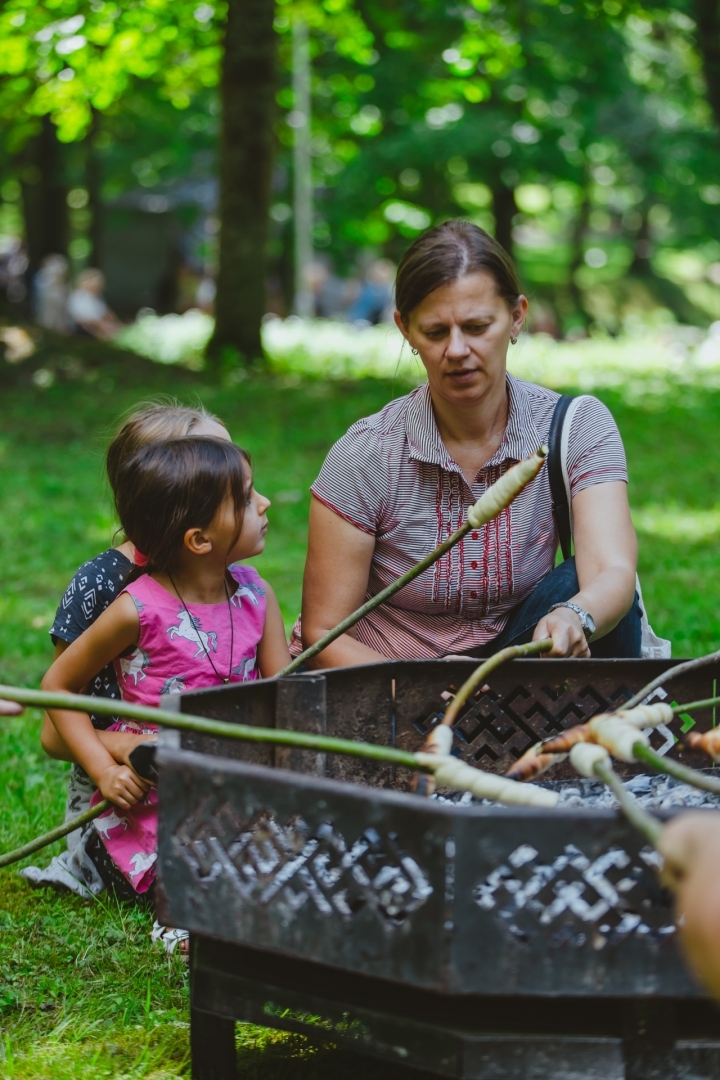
{"x":583,"y":132}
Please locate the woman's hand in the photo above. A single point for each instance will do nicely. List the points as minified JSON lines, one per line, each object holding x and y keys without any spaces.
{"x":122,"y":786}
{"x":568,"y":637}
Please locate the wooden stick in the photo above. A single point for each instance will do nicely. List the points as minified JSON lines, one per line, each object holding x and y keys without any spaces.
{"x":689,"y":665}
{"x":639,"y":818}
{"x":469,"y":779}
{"x":498,"y":496}
{"x":55,"y":834}
{"x":532,"y":648}
{"x":203,"y":726}
{"x":673,"y":768}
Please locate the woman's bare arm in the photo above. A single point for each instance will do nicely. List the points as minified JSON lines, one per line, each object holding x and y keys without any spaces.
{"x":335,"y":584}
{"x":606,"y":561}
{"x":273,"y":652}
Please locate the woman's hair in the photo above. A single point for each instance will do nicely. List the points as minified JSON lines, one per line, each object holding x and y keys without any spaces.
{"x":170,"y":487}
{"x":448,"y":252}
{"x":155,"y":422}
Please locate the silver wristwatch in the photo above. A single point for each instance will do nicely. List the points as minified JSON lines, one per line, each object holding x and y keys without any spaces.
{"x":586,"y":620}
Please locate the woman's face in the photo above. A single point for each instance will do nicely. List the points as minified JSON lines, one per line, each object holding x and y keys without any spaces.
{"x":462,"y":331}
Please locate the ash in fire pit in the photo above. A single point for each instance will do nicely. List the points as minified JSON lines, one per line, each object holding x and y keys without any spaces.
{"x":652,"y":792}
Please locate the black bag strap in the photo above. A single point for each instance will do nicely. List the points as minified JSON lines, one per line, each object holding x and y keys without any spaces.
{"x":561,"y":510}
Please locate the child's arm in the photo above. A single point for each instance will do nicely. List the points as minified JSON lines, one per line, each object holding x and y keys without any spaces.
{"x":114,"y":631}
{"x":273,"y":652}
{"x":119,"y":744}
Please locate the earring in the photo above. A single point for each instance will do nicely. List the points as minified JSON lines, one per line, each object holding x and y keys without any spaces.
{"x":513,"y":340}
{"x":414,"y":352}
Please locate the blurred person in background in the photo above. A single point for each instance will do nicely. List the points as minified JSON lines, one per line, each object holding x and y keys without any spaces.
{"x":50,"y":294}
{"x":374,"y":302}
{"x":88,"y":310}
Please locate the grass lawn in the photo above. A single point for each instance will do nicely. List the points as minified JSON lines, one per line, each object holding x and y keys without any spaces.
{"x":82,"y":993}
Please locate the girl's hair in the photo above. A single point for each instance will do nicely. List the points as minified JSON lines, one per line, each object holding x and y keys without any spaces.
{"x":170,"y":487}
{"x":448,"y":252}
{"x":156,"y":422}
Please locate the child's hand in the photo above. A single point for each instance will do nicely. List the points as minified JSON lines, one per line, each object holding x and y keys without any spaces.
{"x":122,"y":786}
{"x":124,"y":743}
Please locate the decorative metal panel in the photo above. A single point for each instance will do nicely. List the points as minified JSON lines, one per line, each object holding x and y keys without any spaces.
{"x":576,"y":900}
{"x":292,"y":865}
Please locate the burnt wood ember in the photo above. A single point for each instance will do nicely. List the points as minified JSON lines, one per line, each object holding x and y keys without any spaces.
{"x":473,"y":941}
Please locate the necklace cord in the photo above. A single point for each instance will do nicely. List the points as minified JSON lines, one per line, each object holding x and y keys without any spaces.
{"x":204,"y":647}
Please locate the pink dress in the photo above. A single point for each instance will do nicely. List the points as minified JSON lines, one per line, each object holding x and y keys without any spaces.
{"x":172,"y":655}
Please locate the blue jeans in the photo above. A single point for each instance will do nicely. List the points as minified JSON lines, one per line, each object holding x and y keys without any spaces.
{"x":560,"y":584}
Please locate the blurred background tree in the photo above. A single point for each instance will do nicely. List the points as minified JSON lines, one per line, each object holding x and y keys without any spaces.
{"x":155,"y":139}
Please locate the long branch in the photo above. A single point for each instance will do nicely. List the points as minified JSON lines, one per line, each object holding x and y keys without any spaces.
{"x":201,"y":725}
{"x":675,"y":769}
{"x":510,"y":653}
{"x":645,"y":823}
{"x":55,"y":834}
{"x":661,"y":680}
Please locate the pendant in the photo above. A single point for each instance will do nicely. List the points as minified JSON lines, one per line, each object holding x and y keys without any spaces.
{"x":227,"y":680}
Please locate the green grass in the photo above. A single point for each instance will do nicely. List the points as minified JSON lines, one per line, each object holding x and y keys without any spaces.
{"x":82,"y":992}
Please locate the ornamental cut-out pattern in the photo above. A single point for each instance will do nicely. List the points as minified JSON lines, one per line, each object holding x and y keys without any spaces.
{"x":494,"y":729}
{"x":578,"y":901}
{"x":292,"y":865}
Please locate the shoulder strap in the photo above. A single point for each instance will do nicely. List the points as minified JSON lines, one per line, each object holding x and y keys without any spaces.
{"x":558,"y":492}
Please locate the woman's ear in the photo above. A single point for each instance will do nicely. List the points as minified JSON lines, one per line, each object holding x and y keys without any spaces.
{"x":519,"y":314}
{"x":196,"y":542}
{"x":401,"y":325}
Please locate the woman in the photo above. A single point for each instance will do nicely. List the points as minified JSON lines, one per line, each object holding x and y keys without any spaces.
{"x":401,"y":481}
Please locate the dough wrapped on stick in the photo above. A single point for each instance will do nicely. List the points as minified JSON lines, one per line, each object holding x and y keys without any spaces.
{"x":708,"y":742}
{"x":506,"y":489}
{"x":452,"y":773}
{"x":533,"y":763}
{"x":640,"y":718}
{"x":439,"y":743}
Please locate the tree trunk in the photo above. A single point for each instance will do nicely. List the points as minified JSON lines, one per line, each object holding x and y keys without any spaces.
{"x":504,"y":209}
{"x":248,"y":80}
{"x":44,"y":196}
{"x":578,"y":255}
{"x":93,"y":183}
{"x":707,"y":17}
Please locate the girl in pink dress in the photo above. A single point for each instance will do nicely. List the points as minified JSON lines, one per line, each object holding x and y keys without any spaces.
{"x":189,"y":617}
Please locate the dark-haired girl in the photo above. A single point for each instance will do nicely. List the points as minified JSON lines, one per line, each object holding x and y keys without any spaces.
{"x":400,"y":482}
{"x":188,"y":617}
{"x":93,"y":587}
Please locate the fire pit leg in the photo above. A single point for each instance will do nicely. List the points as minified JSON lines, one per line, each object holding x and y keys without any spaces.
{"x":212,"y":1046}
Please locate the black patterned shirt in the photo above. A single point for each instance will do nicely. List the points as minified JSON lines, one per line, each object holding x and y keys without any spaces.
{"x":93,"y":587}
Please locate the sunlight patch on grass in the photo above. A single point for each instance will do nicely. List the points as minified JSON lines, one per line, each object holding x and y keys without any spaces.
{"x":644,"y":367}
{"x":678,"y":523}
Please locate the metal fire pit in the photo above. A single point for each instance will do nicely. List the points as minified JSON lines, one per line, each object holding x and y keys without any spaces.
{"x":471,"y":941}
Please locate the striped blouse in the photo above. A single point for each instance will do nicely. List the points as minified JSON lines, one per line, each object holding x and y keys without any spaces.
{"x":392,"y":476}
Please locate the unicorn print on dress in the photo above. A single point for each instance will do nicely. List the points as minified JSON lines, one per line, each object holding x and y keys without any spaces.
{"x":189,"y":628}
{"x":174,"y":685}
{"x":110,"y":821}
{"x":245,"y":668}
{"x":251,"y":590}
{"x":141,"y":862}
{"x":133,"y":666}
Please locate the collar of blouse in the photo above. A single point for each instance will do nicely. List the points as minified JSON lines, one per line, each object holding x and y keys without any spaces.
{"x":521,"y":437}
